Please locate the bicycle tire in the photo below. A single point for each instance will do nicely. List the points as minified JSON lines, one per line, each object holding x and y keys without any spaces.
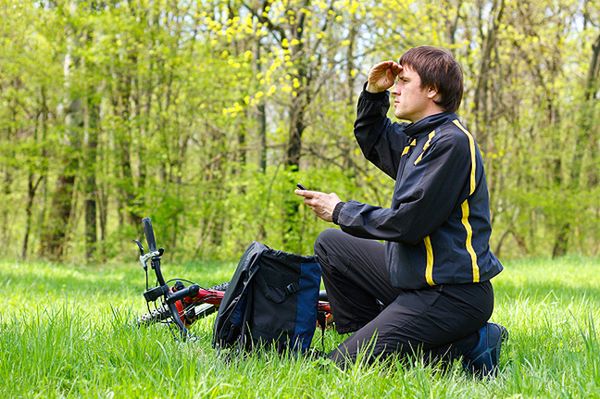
{"x":157,"y":315}
{"x":162,"y":314}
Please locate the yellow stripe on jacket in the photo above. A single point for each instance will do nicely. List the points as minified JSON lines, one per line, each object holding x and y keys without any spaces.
{"x":429,"y":265}
{"x":472,"y":149}
{"x":425,"y":147}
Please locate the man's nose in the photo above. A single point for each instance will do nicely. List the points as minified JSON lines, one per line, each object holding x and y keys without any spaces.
{"x":396,"y":89}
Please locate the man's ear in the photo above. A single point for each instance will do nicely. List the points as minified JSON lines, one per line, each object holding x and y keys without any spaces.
{"x":433,"y":94}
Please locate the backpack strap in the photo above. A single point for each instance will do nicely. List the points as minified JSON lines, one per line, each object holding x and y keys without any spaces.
{"x":322,"y":321}
{"x":276,"y":294}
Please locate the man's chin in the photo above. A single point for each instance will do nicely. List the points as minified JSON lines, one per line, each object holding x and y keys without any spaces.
{"x":402,"y":117}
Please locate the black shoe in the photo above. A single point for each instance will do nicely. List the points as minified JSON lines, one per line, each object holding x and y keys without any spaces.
{"x":483,"y":359}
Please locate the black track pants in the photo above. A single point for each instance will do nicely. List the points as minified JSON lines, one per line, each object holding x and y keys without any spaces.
{"x":441,"y":321}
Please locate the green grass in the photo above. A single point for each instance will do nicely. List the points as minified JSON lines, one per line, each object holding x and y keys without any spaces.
{"x":66,"y":331}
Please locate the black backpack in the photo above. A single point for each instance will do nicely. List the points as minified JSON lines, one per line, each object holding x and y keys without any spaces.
{"x":270,"y":301}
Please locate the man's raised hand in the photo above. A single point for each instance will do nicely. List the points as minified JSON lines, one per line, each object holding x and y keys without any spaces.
{"x":382,"y":76}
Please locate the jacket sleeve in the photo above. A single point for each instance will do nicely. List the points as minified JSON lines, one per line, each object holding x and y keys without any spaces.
{"x":432,"y":189}
{"x":380,"y":140}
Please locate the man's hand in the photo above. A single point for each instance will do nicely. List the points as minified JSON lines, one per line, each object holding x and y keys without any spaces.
{"x":382,"y":76}
{"x":322,"y":204}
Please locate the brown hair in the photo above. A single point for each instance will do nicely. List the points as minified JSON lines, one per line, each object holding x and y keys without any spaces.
{"x":437,"y":69}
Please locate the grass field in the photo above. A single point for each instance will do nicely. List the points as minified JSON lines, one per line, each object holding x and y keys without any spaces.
{"x":66,"y":331}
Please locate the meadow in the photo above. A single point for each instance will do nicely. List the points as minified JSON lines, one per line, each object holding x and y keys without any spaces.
{"x":67,"y":331}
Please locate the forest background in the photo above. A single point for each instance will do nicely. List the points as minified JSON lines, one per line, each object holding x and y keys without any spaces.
{"x":204,"y":114}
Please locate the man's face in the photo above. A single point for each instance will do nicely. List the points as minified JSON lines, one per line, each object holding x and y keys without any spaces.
{"x":411,"y":102}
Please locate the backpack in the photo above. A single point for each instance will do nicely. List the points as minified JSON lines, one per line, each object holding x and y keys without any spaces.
{"x":270,"y":301}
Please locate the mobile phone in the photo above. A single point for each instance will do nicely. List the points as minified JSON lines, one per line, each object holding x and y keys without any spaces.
{"x":300,"y":186}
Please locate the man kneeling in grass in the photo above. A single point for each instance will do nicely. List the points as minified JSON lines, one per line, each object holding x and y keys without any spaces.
{"x":428,"y":286}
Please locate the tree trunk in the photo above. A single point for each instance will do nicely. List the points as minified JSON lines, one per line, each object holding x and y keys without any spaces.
{"x":11,"y":135}
{"x":91,"y":237}
{"x":481,"y":107}
{"x":588,"y":117}
{"x":56,"y":228}
{"x":31,"y":190}
{"x":32,"y":187}
{"x":6,"y":190}
{"x":261,"y":115}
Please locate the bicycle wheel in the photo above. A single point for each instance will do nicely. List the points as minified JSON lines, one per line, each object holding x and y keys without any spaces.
{"x":191,"y":313}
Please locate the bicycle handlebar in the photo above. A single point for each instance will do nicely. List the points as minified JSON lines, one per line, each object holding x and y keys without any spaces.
{"x":149,"y":233}
{"x":192,"y":290}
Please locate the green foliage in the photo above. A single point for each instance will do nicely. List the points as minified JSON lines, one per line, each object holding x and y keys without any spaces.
{"x":190,"y":112}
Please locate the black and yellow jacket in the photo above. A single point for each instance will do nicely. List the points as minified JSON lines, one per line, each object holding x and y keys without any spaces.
{"x":437,"y":229}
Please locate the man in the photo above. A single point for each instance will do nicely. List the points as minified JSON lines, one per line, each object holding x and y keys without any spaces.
{"x":427,"y":288}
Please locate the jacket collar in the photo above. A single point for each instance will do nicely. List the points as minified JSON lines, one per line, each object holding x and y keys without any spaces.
{"x":429,"y":123}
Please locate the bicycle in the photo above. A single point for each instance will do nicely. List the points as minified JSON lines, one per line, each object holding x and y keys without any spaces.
{"x":179,"y":306}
